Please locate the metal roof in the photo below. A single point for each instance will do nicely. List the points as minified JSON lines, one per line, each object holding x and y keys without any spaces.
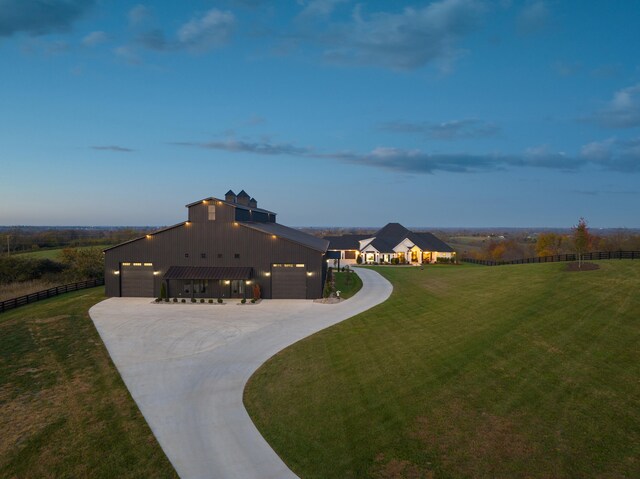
{"x":235,"y":205}
{"x":208,"y":272}
{"x":143,"y":237}
{"x":290,"y":234}
{"x":243,"y":194}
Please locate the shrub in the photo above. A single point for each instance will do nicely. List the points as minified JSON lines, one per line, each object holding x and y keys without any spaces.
{"x":243,"y":300}
{"x":201,"y":300}
{"x":158,"y":300}
{"x":183,"y":300}
{"x":219,"y":300}
{"x":359,"y":259}
{"x":193,"y":300}
{"x":175,"y":300}
{"x":327,"y":290}
{"x":166,"y":300}
{"x":253,"y":300}
{"x":211,"y":301}
{"x":256,"y":291}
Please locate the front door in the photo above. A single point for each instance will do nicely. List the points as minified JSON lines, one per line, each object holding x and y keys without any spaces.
{"x":414,"y":256}
{"x":237,"y":288}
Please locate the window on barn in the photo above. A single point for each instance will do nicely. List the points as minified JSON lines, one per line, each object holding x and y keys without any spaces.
{"x":212,"y":212}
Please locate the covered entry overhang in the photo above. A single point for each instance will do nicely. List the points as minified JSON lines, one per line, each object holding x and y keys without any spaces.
{"x":207,"y":281}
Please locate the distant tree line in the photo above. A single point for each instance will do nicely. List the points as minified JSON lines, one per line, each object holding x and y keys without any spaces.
{"x":24,"y":239}
{"x":75,"y":265}
{"x":579,"y":240}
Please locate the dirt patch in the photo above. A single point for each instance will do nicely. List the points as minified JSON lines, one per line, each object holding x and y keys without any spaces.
{"x":52,"y":319}
{"x":573,"y":267}
{"x":474,"y":444}
{"x":398,"y":469}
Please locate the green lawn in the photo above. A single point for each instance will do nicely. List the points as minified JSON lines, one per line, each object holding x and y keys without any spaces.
{"x":347,"y":283}
{"x":64,"y":410}
{"x":56,"y":253}
{"x":466,"y":372}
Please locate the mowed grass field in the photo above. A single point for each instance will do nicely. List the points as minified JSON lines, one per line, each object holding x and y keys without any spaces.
{"x":64,"y":410}
{"x":466,"y":372}
{"x":55,"y":254}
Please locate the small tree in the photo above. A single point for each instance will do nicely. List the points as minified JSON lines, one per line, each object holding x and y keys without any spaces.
{"x":581,"y":239}
{"x":163,"y":290}
{"x":256,"y":291}
{"x":359,"y":259}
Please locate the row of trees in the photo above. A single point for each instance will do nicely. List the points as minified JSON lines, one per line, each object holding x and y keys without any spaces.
{"x":580,"y":240}
{"x":74,"y":265}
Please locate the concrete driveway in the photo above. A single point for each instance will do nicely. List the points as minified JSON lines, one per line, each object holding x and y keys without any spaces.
{"x":186,"y":366}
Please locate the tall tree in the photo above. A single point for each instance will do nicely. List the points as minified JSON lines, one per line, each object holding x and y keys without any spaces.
{"x":581,"y":239}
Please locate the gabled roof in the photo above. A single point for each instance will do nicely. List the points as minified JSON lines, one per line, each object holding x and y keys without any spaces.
{"x":230,"y":192}
{"x":346,"y":241}
{"x":243,"y":194}
{"x":148,"y":234}
{"x":429,"y":242}
{"x":387,"y":238}
{"x":290,"y":234}
{"x":235,"y":205}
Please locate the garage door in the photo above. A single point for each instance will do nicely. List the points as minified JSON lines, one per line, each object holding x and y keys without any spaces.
{"x":137,"y":279}
{"x":288,"y":281}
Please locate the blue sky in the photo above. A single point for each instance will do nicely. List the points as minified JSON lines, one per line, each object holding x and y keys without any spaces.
{"x":329,"y":112}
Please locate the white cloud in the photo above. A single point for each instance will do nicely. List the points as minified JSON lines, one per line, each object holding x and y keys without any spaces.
{"x":209,"y":31}
{"x":623,"y":111}
{"x":94,"y":38}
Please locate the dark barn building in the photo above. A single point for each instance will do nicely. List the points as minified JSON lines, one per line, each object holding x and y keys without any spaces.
{"x":224,"y":249}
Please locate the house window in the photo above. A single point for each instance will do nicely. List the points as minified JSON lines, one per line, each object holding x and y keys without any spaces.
{"x":212,"y":212}
{"x":219,"y":255}
{"x":203,"y":255}
{"x":200,"y":286}
{"x":186,"y":255}
{"x":236,"y":256}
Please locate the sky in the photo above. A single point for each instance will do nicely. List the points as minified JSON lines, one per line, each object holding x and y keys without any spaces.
{"x":449,"y":113}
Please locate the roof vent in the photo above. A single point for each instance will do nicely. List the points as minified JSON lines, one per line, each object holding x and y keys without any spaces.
{"x":253,"y":203}
{"x":230,"y":196}
{"x":243,"y":198}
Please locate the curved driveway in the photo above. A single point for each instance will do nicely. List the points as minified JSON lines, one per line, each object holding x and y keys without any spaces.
{"x":186,"y":366}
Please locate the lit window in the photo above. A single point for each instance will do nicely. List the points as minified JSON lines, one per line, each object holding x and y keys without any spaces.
{"x":137,"y":264}
{"x":212,"y":212}
{"x":148,"y":264}
{"x":299,"y":265}
{"x":126,"y":264}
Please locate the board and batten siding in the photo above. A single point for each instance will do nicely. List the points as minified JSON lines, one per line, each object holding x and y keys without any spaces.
{"x":222,"y":236}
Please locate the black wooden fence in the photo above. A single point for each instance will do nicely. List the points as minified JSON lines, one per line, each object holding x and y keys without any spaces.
{"x":596,"y":255}
{"x":48,"y":293}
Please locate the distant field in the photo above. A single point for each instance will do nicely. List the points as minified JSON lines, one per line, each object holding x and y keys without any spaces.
{"x":55,"y":254}
{"x":466,"y":371}
{"x":64,"y":410}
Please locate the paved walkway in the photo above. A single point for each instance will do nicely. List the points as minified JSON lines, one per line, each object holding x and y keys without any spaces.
{"x":186,"y":366}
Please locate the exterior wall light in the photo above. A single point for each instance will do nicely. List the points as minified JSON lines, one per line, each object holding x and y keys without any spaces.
{"x":248,"y":282}
{"x":274,"y":236}
{"x":267,"y":273}
{"x":116,"y":272}
{"x":204,"y":202}
{"x":309,"y":273}
{"x":187,"y":223}
{"x":148,"y":236}
{"x":226,"y":281}
{"x":156,"y":273}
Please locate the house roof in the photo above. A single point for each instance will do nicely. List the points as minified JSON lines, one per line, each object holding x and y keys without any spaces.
{"x":207,"y":272}
{"x":290,"y":234}
{"x":230,"y":193}
{"x":350,"y":241}
{"x":148,"y":234}
{"x":429,"y":242}
{"x":243,"y":194}
{"x":387,"y":238}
